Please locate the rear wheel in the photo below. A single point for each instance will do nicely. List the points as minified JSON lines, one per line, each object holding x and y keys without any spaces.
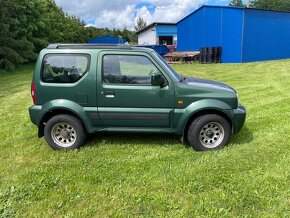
{"x":64,"y":132}
{"x":209,"y":132}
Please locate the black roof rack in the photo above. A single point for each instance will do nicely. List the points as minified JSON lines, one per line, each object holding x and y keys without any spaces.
{"x":89,"y":45}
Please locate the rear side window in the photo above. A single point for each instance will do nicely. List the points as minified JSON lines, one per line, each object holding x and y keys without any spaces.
{"x":64,"y":68}
{"x":127,"y":69}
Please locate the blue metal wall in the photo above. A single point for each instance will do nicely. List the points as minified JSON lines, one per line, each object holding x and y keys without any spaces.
{"x":232,"y":35}
{"x":190,"y":32}
{"x":166,"y":30}
{"x":211,"y":27}
{"x":244,"y":34}
{"x":266,"y":35}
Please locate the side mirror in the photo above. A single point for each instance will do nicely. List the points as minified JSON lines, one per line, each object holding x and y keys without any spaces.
{"x":157,"y":80}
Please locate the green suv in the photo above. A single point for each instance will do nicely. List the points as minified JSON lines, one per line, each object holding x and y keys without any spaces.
{"x":89,"y":88}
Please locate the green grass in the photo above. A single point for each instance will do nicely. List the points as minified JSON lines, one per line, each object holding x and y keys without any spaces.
{"x":124,"y":175}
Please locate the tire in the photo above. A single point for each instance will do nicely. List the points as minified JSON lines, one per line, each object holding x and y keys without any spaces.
{"x":64,"y":132}
{"x":209,"y":132}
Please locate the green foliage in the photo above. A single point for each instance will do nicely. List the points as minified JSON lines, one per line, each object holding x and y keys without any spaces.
{"x":236,"y":3}
{"x":15,"y":47}
{"x":141,"y":23}
{"x":149,"y":175}
{"x":283,"y":5}
{"x":92,"y":32}
{"x":27,"y":26}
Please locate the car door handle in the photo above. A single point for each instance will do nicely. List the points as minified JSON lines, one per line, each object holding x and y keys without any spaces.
{"x":109,"y":94}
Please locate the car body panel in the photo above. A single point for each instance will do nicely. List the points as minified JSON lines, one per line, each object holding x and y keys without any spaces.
{"x":134,"y":105}
{"x":133,"y":108}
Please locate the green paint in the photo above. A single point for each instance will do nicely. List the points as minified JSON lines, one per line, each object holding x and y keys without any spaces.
{"x":120,"y":107}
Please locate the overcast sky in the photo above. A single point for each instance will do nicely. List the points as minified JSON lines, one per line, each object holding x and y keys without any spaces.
{"x":123,"y":13}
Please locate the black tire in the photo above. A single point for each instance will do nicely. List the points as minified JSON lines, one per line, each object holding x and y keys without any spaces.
{"x":64,"y":132}
{"x":209,"y":132}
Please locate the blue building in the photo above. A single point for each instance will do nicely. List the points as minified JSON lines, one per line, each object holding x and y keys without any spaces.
{"x":158,"y":34}
{"x":245,"y":34}
{"x":108,"y":40}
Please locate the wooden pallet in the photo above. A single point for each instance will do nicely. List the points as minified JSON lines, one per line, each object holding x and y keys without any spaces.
{"x":181,"y":57}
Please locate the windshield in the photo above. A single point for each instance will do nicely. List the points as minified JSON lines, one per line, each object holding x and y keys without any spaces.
{"x":168,"y":67}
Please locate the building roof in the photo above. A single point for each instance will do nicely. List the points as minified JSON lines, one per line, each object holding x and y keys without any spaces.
{"x":154,"y":24}
{"x":231,"y":7}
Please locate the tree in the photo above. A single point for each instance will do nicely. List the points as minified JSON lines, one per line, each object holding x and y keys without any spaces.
{"x":236,"y":3}
{"x":15,"y":31}
{"x":283,"y":5}
{"x":27,"y":26}
{"x":129,"y":36}
{"x":140,"y":24}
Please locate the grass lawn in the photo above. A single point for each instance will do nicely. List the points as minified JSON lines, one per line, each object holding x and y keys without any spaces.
{"x":124,"y":175}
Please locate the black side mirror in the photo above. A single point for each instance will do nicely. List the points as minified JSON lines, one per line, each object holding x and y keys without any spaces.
{"x":157,"y":80}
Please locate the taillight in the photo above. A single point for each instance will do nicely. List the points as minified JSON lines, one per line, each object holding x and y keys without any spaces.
{"x":33,"y":94}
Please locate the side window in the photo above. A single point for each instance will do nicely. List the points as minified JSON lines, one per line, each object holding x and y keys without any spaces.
{"x":64,"y":68}
{"x":128,"y":69}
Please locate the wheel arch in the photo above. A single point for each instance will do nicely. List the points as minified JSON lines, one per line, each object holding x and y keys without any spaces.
{"x":51,"y":113}
{"x":200,"y":113}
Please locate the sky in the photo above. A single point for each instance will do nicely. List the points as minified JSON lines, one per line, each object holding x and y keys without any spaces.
{"x":121,"y":14}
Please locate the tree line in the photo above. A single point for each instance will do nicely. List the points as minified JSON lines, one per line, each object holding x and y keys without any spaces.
{"x":27,"y":26}
{"x":282,"y":5}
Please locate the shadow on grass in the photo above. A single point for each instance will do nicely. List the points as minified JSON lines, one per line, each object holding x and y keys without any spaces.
{"x":154,"y":139}
{"x":245,"y":136}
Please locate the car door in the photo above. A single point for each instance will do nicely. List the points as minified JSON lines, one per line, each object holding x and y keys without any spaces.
{"x":125,"y":95}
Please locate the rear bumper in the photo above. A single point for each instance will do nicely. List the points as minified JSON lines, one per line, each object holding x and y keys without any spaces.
{"x":36,"y":112}
{"x":239,"y":117}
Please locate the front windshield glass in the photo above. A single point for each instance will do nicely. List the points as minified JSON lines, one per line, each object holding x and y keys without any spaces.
{"x":168,"y":67}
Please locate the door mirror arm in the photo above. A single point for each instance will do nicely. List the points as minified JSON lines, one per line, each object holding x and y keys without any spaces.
{"x":158,"y":80}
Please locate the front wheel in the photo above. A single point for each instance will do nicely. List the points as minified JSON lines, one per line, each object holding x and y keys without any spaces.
{"x":209,"y":132}
{"x":64,"y":132}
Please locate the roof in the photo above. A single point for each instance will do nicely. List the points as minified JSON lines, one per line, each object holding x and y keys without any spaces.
{"x":154,"y":24}
{"x":97,"y":46}
{"x":230,"y":7}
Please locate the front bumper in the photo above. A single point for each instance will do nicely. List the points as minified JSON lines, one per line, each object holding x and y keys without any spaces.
{"x":238,"y":118}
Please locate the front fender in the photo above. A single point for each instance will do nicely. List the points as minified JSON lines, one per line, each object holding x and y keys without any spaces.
{"x":181,"y":116}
